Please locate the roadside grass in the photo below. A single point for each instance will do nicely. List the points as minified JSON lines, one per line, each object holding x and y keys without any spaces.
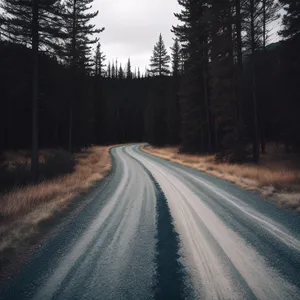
{"x":276,"y":177}
{"x":24,"y":209}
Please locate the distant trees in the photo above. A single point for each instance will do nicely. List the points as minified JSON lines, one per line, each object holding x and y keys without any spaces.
{"x":99,"y":62}
{"x":159,"y":62}
{"x":121,"y":74}
{"x":221,"y":88}
{"x":128,"y":71}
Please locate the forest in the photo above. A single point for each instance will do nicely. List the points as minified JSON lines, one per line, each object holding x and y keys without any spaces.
{"x":222,"y":88}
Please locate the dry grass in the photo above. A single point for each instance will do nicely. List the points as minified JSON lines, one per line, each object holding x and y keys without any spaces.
{"x":23,"y":209}
{"x":277,"y":177}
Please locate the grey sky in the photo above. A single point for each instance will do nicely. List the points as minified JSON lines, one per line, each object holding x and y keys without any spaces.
{"x":132,"y":28}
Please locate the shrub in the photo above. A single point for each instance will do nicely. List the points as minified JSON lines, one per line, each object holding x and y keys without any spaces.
{"x":57,"y":162}
{"x":54,"y":164}
{"x":16,"y":175}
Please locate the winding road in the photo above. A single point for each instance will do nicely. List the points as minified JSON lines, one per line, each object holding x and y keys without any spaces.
{"x":157,"y":230}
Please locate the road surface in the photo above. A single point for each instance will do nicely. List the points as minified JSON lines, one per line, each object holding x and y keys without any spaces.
{"x":156,"y":230}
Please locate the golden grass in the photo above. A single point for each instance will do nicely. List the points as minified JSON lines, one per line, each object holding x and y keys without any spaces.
{"x":277,"y":177}
{"x":23,"y":209}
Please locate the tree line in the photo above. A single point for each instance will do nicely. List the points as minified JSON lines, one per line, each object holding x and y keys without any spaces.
{"x":221,"y":87}
{"x":230,"y":86}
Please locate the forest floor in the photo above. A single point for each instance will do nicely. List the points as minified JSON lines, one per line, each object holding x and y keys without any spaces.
{"x":24,"y":210}
{"x":276,"y":177}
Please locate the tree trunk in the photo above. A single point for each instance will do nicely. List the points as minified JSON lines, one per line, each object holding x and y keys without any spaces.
{"x":35,"y":91}
{"x":262,"y":137}
{"x":262,"y":125}
{"x":217,"y":148}
{"x":70,"y":142}
{"x":254,"y":96}
{"x":208,"y":119}
{"x":239,"y":70}
{"x":73,"y":94}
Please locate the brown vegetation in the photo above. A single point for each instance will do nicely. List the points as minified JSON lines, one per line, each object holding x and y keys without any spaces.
{"x":276,"y":177}
{"x":24,"y":208}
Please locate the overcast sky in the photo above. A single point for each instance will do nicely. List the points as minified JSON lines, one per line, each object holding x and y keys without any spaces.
{"x":132,"y":28}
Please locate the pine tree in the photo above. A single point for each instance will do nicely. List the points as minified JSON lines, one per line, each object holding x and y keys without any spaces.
{"x":16,"y":23}
{"x":239,"y":73}
{"x":270,"y":9}
{"x":223,"y":95}
{"x":135,"y":73}
{"x":139,"y":73}
{"x":99,"y":61}
{"x":193,"y":34}
{"x":78,"y":27}
{"x":173,"y":113}
{"x":176,"y":58}
{"x":78,"y":46}
{"x":116,"y":69}
{"x":109,"y":70}
{"x":291,"y":20}
{"x":159,"y":62}
{"x":34,"y":24}
{"x":129,"y":72}
{"x":121,"y":72}
{"x":113,"y":73}
{"x":253,"y":29}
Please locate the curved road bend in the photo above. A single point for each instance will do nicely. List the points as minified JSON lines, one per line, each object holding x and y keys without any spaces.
{"x":157,"y":230}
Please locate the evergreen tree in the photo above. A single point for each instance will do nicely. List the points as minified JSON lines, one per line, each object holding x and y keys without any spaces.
{"x":109,"y":70}
{"x":269,"y":13}
{"x":17,"y":23}
{"x":176,"y":58}
{"x":159,"y":62}
{"x":129,"y":72}
{"x":223,"y":95}
{"x":253,"y":29}
{"x":291,"y":20}
{"x":34,"y":24}
{"x":193,"y":33}
{"x":270,"y":9}
{"x":116,"y":69}
{"x":139,"y":73}
{"x":99,"y":61}
{"x":113,"y":73}
{"x":135,"y":73}
{"x":173,"y":113}
{"x":121,"y":72}
{"x":79,"y":30}
{"x":78,"y":46}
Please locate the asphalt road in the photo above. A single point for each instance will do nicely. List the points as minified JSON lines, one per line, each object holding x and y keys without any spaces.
{"x":156,"y":230}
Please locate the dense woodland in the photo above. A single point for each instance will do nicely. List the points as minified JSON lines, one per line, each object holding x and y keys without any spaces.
{"x":222,"y":88}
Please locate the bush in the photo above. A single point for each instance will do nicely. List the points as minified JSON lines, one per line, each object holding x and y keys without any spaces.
{"x":58,"y":162}
{"x":17,"y":175}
